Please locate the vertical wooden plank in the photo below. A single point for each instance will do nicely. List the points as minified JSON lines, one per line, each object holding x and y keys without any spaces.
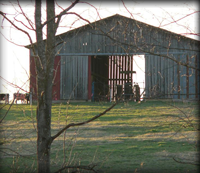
{"x":131,"y":67}
{"x":67,"y":77}
{"x":175,"y":77}
{"x":125,"y":66}
{"x":78,"y":79}
{"x":130,"y":57}
{"x":111,"y":43}
{"x":61,"y":77}
{"x":114,"y":77}
{"x":117,"y":70}
{"x":75,"y":67}
{"x":171,"y":78}
{"x":80,"y":72}
{"x":122,"y":68}
{"x":85,"y":79}
{"x":147,"y":76}
{"x":192,"y":76}
{"x":155,"y":73}
{"x":159,"y":73}
{"x":163,"y":75}
{"x":183,"y":82}
{"x":106,"y":44}
{"x":89,"y":79}
{"x":64,"y":78}
{"x":166,"y":77}
{"x":196,"y":77}
{"x":111,"y":70}
{"x":178,"y":75}
{"x":123,"y":77}
{"x":187,"y":78}
{"x":150,"y":75}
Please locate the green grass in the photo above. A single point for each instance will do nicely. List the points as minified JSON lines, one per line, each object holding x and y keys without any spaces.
{"x":131,"y":137}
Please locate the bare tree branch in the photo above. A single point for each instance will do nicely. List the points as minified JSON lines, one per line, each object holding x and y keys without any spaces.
{"x":11,"y":41}
{"x":81,"y":123}
{"x":175,"y":21}
{"x":60,"y":15}
{"x":89,"y":168}
{"x":7,"y":111}
{"x":197,"y":164}
{"x":17,"y":154}
{"x":29,"y":21}
{"x":93,"y":7}
{"x":25,"y":32}
{"x":14,"y":85}
{"x":79,"y":16}
{"x":127,"y":9}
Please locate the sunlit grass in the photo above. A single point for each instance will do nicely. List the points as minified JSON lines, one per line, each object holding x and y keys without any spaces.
{"x":130,"y":137}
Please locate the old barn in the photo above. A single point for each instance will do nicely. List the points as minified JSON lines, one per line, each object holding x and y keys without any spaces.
{"x":96,"y":61}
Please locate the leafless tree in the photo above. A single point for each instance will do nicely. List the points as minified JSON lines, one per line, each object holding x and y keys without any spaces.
{"x":44,"y":54}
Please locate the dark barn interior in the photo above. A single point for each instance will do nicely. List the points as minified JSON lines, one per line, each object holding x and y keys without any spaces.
{"x":112,"y":77}
{"x":99,"y":75}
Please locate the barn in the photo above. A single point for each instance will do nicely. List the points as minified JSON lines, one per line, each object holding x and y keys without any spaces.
{"x":95,"y":61}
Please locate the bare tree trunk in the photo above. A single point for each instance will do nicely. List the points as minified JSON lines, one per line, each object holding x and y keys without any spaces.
{"x":44,"y":63}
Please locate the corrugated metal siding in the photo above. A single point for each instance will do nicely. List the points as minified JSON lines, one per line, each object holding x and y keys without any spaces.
{"x":74,"y":77}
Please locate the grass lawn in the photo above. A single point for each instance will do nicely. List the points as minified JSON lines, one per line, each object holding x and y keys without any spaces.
{"x":132,"y":137}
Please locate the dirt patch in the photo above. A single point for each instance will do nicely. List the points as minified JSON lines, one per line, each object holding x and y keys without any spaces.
{"x":189,"y":136}
{"x":191,"y":157}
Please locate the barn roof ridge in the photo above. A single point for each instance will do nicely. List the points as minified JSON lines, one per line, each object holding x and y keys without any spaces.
{"x":120,"y":16}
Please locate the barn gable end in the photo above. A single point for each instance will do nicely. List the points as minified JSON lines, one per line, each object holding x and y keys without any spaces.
{"x":171,"y":60}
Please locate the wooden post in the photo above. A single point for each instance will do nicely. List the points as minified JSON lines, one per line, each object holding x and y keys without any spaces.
{"x":196,"y":77}
{"x":89,"y":78}
{"x":187,"y":77}
{"x":178,"y":73}
{"x":31,"y":99}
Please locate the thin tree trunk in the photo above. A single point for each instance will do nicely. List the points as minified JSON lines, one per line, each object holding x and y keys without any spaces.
{"x":43,"y":135}
{"x":44,"y":67}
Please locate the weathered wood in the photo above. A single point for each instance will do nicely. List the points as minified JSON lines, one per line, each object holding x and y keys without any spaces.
{"x":127,"y":72}
{"x":75,"y":78}
{"x":118,"y":35}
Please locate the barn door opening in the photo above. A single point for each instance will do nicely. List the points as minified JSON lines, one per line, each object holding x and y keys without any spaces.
{"x":126,"y":77}
{"x":99,"y":78}
{"x":139,"y":77}
{"x":114,"y":77}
